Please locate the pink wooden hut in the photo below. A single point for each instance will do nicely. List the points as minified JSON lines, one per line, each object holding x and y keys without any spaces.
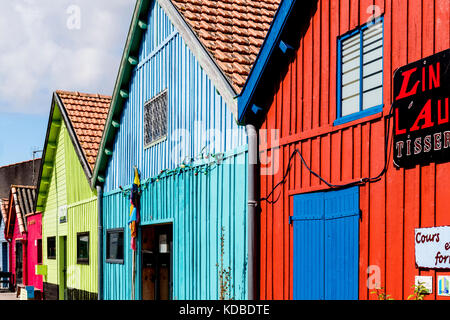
{"x":23,"y":230}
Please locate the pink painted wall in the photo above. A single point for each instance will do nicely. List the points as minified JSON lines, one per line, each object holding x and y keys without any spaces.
{"x":12,"y":247}
{"x":34,"y":225}
{"x":30,"y":250}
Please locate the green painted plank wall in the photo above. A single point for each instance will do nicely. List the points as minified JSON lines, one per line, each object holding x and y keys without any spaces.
{"x":81,"y":219}
{"x":69,"y":187}
{"x":57,"y":197}
{"x":82,"y":216}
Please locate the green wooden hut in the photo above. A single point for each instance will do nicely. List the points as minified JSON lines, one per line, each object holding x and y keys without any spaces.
{"x":67,"y":203}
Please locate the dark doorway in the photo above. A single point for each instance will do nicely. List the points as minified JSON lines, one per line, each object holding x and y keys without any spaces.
{"x":156,"y":262}
{"x":4,"y":261}
{"x":19,"y":263}
{"x":63,"y":268}
{"x":39,"y":251}
{"x":5,"y":257}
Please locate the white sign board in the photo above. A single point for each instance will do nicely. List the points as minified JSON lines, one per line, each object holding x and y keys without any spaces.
{"x":62,"y":213}
{"x":443,"y":286}
{"x":426,"y":281}
{"x":432,"y":246}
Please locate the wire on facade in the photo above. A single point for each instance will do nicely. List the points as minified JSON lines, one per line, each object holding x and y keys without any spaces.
{"x":334,"y":186}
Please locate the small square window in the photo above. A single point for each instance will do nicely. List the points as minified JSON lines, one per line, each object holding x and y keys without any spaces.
{"x":39,"y":250}
{"x":360,"y":72}
{"x":83,"y":248}
{"x":155,"y":119}
{"x":114,"y":246}
{"x":51,"y":247}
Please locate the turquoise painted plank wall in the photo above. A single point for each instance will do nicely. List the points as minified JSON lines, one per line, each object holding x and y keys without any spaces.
{"x":195,"y":108}
{"x":198,"y":206}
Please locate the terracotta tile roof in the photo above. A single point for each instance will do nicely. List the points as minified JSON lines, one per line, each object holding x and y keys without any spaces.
{"x":88,"y":113}
{"x":24,"y":197}
{"x":232,"y":30}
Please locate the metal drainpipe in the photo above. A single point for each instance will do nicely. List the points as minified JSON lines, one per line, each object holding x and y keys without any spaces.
{"x":253,"y":216}
{"x":100,"y":241}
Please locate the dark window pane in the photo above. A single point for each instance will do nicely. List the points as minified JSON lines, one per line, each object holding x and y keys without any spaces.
{"x":51,"y":248}
{"x":39,"y":250}
{"x":83,"y":248}
{"x":114,"y":245}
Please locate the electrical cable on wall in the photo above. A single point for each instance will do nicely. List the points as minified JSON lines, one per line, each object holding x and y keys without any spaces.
{"x":215,"y":160}
{"x":358,"y":182}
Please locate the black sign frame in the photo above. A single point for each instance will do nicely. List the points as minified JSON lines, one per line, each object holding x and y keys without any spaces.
{"x":421,"y":112}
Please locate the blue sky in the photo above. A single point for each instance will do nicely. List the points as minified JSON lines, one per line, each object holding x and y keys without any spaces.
{"x":48,"y":45}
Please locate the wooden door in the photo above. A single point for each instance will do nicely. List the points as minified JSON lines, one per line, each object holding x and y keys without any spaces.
{"x":19,"y":262}
{"x":148,"y":264}
{"x":156,"y":262}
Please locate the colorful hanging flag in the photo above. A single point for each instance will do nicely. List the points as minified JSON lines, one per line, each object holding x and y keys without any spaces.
{"x":133,"y":221}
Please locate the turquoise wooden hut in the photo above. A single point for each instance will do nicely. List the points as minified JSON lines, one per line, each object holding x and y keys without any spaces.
{"x":173,"y":116}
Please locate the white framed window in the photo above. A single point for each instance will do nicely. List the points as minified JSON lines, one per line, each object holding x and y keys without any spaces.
{"x":360,"y":72}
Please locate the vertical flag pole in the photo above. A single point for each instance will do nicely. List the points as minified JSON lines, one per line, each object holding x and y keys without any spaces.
{"x":133,"y":280}
{"x":133,"y":222}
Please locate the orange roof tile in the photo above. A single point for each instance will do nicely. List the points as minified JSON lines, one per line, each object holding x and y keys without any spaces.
{"x":232,"y":31}
{"x":88,"y":113}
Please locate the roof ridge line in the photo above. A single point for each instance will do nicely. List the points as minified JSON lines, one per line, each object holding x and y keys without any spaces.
{"x":17,"y":163}
{"x":83,"y":94}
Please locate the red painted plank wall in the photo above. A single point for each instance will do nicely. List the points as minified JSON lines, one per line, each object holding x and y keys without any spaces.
{"x":304,"y":109}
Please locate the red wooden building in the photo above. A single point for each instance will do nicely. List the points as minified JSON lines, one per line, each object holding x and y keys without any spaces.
{"x":301,"y":95}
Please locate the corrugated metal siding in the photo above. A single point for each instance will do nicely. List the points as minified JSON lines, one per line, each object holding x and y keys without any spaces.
{"x":195,"y":107}
{"x":198,"y":206}
{"x":304,"y":109}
